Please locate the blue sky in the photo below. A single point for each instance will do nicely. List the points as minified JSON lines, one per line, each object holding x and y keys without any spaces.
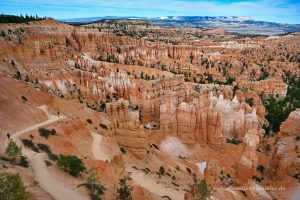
{"x":283,"y":11}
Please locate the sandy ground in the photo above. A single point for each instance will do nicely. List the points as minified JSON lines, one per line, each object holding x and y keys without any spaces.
{"x":55,"y":188}
{"x":138,"y":177}
{"x":150,"y":184}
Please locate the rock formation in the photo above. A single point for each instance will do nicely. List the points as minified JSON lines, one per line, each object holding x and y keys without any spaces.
{"x":212,"y":173}
{"x":248,"y":162}
{"x":291,"y":126}
{"x":207,"y":120}
{"x":131,"y":136}
{"x":285,"y":159}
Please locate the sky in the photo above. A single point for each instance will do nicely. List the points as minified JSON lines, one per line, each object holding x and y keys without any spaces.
{"x":282,"y":11}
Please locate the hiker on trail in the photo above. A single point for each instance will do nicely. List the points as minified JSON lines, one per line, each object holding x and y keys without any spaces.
{"x":8,"y":136}
{"x":58,"y":113}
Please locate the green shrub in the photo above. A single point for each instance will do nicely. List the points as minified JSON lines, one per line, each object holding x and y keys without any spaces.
{"x":48,"y":163}
{"x":161,"y":170}
{"x":244,"y":193}
{"x":189,"y":170}
{"x":261,"y":168}
{"x":53,"y":157}
{"x":24,"y":162}
{"x":155,"y":146}
{"x":34,"y":148}
{"x":233,"y":141}
{"x":27,"y":143}
{"x":250,"y":101}
{"x":12,"y":187}
{"x":4,"y":158}
{"x":46,"y":132}
{"x":44,"y":147}
{"x":103,"y":126}
{"x":166,"y":197}
{"x":256,"y":178}
{"x":93,"y":185}
{"x":53,"y":132}
{"x":122,"y":149}
{"x":204,"y":191}
{"x":124,"y":190}
{"x":71,"y":164}
{"x":13,"y":150}
{"x":24,"y":98}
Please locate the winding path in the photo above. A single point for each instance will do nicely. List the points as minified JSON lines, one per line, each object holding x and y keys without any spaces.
{"x":138,"y":177}
{"x":56,"y":189}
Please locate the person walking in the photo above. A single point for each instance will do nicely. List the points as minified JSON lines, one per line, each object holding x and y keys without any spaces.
{"x":8,"y":136}
{"x":58,"y":113}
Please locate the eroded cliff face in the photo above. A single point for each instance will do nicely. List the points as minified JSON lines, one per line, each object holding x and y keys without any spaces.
{"x":247,"y":165}
{"x":285,"y":159}
{"x":150,"y":96}
{"x":272,"y":87}
{"x":127,"y":128}
{"x":208,"y":119}
{"x":131,"y":136}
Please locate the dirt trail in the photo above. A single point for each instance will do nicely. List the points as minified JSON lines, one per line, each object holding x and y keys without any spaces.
{"x":139,"y":178}
{"x":150,"y":184}
{"x":97,"y":149}
{"x":56,"y":189}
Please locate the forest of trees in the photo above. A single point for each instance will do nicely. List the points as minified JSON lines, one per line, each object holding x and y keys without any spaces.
{"x":277,"y":110}
{"x":19,"y":19}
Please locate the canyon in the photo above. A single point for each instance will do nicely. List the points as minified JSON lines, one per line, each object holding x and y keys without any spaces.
{"x":162,"y":108}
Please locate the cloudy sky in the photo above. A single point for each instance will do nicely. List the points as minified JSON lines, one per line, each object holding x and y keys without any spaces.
{"x":284,"y":11}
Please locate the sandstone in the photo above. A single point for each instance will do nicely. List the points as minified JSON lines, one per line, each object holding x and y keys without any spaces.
{"x":291,"y":126}
{"x":212,"y":173}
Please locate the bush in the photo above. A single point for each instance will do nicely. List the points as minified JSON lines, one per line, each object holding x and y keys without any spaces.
{"x":261,"y":168}
{"x":250,"y":101}
{"x":189,"y":170}
{"x":71,"y":164}
{"x":48,"y":163}
{"x":24,"y":162}
{"x":27,"y":143}
{"x":124,"y":190}
{"x":103,"y":126}
{"x":24,"y":98}
{"x":46,"y":132}
{"x":93,"y":185}
{"x":53,"y":157}
{"x":256,"y":178}
{"x":13,"y":150}
{"x":89,"y":121}
{"x":161,"y":170}
{"x":53,"y":132}
{"x":4,"y":158}
{"x":155,"y":146}
{"x":44,"y":147}
{"x":123,"y":150}
{"x":243,"y":192}
{"x":34,"y":148}
{"x":102,"y":106}
{"x":233,"y":141}
{"x":204,"y":191}
{"x":12,"y":187}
